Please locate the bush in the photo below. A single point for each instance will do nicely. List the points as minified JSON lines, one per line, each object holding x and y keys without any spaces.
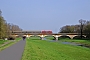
{"x":11,"y":38}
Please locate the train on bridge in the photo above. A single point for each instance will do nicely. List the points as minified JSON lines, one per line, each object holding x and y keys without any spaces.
{"x":33,"y":32}
{"x":44,"y":33}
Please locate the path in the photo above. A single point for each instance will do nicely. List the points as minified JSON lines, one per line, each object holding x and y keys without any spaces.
{"x":13,"y":52}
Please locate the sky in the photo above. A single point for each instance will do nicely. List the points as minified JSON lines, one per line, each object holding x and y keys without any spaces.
{"x":45,"y":14}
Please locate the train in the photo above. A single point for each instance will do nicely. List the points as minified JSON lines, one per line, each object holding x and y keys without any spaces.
{"x":35,"y":32}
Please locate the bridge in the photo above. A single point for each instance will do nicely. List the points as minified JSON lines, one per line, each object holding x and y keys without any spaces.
{"x":42,"y":35}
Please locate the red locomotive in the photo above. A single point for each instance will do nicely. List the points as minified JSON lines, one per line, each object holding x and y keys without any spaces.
{"x":46,"y":32}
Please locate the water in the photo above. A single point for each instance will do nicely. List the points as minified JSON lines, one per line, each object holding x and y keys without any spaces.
{"x":75,"y":44}
{"x":44,"y":38}
{"x":71,"y":43}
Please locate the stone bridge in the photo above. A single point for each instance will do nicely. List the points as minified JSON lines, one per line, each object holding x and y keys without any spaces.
{"x":41,"y":35}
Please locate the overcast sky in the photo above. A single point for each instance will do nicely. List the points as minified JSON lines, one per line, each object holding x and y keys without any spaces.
{"x":45,"y":14}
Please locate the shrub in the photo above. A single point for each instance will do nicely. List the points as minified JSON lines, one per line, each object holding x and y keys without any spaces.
{"x":11,"y":38}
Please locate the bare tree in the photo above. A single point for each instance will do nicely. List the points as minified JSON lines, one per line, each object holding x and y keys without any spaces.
{"x":0,"y":13}
{"x":82,"y":22}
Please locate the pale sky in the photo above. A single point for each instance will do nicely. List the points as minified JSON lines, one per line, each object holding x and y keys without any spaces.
{"x":45,"y":14}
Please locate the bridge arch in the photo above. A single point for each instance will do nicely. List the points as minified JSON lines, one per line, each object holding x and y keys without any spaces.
{"x":79,"y":37}
{"x":63,"y":37}
{"x":50,"y":37}
{"x":35,"y":37}
{"x":72,"y":36}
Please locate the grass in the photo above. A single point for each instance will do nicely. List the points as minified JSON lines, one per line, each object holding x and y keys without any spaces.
{"x":6,"y":43}
{"x":2,"y":41}
{"x":50,"y":37}
{"x":45,"y":50}
{"x":35,"y":38}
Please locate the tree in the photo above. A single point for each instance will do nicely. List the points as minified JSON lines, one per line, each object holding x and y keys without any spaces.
{"x":2,"y":26}
{"x":82,"y":22}
{"x":65,"y":29}
{"x":82,"y":28}
{"x":69,"y":29}
{"x":12,"y":27}
{"x":7,"y":28}
{"x":87,"y":29}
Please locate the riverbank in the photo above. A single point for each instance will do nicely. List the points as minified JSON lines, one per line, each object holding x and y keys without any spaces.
{"x":83,"y":43}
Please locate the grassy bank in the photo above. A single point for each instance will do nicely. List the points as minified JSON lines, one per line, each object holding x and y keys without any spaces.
{"x":44,"y":50}
{"x":84,"y":42}
{"x":2,"y":41}
{"x":6,"y":43}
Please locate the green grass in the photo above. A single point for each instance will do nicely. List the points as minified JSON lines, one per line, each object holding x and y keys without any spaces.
{"x":2,"y":41}
{"x":35,"y":38}
{"x":6,"y":43}
{"x":45,"y":50}
{"x":50,"y":37}
{"x":6,"y":46}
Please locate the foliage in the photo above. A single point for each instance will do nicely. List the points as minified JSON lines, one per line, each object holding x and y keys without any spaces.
{"x":70,"y":29}
{"x":83,"y":28}
{"x":2,"y":27}
{"x":11,"y":38}
{"x":87,"y":29}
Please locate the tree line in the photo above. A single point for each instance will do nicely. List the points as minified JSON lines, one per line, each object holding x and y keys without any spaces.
{"x":82,"y":28}
{"x":7,"y":28}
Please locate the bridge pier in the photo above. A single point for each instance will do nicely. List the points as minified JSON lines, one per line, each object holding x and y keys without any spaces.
{"x":56,"y":37}
{"x":42,"y":37}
